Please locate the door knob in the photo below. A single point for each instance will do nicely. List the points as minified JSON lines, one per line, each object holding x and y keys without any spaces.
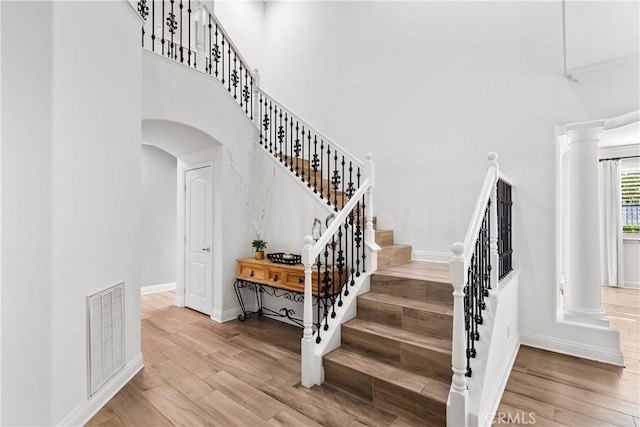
{"x":207,"y":249}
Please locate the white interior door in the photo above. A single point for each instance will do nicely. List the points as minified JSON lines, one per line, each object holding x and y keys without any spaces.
{"x":198,"y":239}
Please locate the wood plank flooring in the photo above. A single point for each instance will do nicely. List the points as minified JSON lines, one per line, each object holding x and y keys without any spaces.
{"x":198,"y":372}
{"x":551,"y":389}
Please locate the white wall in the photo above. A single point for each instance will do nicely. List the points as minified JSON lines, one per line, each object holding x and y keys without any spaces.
{"x":26,"y":214}
{"x":159,"y":207}
{"x":70,"y":199}
{"x":244,"y":20}
{"x":430,"y":88}
{"x":96,"y":183}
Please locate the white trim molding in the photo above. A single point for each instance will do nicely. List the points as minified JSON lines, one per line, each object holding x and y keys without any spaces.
{"x":83,"y":413}
{"x":226,"y":315}
{"x":154,"y":289}
{"x":571,"y":348}
{"x":429,"y":256}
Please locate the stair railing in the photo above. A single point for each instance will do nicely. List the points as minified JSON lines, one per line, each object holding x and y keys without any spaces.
{"x":195,"y":38}
{"x":184,"y":31}
{"x":340,"y":258}
{"x":487,"y":244}
{"x":329,"y":170}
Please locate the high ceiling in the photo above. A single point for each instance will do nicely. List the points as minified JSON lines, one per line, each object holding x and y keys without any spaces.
{"x":600,"y":31}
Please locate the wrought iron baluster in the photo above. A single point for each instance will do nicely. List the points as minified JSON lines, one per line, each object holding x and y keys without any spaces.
{"x":251,"y":98}
{"x":343,"y":176}
{"x":336,"y":180}
{"x":340,"y":265}
{"x":228,"y":64}
{"x":291,"y":143}
{"x":314,"y":164}
{"x":181,"y":26}
{"x":280,"y":137}
{"x":216,"y":52}
{"x":189,"y":17}
{"x":353,"y":248}
{"x":325,"y":286}
{"x":275,"y":129}
{"x":270,"y":116}
{"x":222,"y":56}
{"x":171,"y":25}
{"x":296,"y":150}
{"x":261,"y":124}
{"x":333,"y":276}
{"x":328,"y":175}
{"x":153,"y":25}
{"x":246,"y":95}
{"x":162,"y":20}
{"x":302,"y":159}
{"x":286,"y":140}
{"x":321,"y":168}
{"x":208,"y":67}
{"x":319,"y":296}
{"x":346,"y":255}
{"x":241,"y":86}
{"x":309,"y":160}
{"x":234,"y":74}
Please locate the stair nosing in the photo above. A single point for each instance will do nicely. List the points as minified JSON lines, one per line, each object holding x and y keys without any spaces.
{"x":430,"y":346}
{"x":410,"y":303}
{"x":393,"y":367}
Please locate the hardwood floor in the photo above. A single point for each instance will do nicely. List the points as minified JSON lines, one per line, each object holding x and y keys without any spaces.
{"x":198,"y":372}
{"x":551,"y":389}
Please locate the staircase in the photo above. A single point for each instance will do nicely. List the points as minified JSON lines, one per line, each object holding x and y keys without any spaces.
{"x":396,"y":353}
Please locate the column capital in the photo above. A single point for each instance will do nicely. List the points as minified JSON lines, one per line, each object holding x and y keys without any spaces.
{"x":585,"y":131}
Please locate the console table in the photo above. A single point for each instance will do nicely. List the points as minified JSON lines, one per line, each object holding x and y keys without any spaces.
{"x":282,"y":280}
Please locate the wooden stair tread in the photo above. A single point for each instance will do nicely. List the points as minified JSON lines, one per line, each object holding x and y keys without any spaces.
{"x":419,"y":270}
{"x":433,"y":306}
{"x":418,"y":383}
{"x":413,"y":338}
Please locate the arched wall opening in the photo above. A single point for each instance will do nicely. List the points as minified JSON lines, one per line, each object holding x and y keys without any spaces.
{"x":191,"y":148}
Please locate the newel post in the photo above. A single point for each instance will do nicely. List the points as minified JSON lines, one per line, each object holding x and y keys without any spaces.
{"x":457,"y":404}
{"x":257,"y":117}
{"x":307,"y":346}
{"x":494,"y":260}
{"x":369,"y":232}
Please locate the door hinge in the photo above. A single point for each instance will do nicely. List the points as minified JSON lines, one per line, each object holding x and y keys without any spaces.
{"x":185,"y":188}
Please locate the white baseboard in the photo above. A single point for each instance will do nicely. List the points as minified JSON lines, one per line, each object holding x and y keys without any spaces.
{"x":570,"y":348}
{"x":83,"y":413}
{"x":227,"y":315}
{"x":431,"y":256}
{"x":152,"y":289}
{"x":635,"y":285}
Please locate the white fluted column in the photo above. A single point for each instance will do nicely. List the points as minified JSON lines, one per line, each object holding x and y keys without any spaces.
{"x":584,"y":298}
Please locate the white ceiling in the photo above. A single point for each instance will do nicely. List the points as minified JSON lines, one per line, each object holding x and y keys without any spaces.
{"x":600,"y":31}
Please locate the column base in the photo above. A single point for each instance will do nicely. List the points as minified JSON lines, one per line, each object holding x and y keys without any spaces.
{"x":587,"y":317}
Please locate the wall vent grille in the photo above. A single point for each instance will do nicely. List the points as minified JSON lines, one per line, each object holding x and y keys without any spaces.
{"x":105,"y":330}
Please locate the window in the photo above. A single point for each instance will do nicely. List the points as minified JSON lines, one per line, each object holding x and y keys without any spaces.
{"x":630,"y":186}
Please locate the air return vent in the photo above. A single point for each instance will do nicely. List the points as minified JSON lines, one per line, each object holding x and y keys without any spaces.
{"x":105,"y":313}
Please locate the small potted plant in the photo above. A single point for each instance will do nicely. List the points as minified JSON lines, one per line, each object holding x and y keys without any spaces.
{"x":259,"y":246}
